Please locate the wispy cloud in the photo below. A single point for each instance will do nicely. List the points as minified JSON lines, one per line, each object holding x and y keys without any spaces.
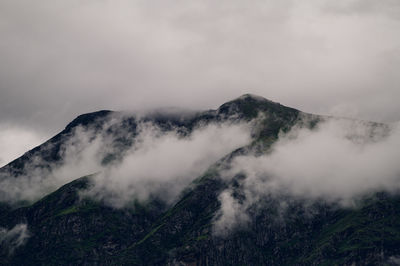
{"x":10,"y":239}
{"x":160,"y":163}
{"x":338,"y":162}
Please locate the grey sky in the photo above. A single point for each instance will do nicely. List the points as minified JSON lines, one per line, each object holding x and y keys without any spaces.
{"x":62,"y":58}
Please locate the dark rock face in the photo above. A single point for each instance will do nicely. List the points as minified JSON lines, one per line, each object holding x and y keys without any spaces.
{"x":66,"y":228}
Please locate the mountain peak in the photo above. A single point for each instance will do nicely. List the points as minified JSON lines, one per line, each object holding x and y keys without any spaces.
{"x":249,"y":105}
{"x":87,"y":118}
{"x":249,"y":96}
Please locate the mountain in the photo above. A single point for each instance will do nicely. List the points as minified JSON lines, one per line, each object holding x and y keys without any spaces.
{"x":62,"y":226}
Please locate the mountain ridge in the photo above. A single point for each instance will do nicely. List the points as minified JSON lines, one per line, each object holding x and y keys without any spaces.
{"x":91,"y":117}
{"x":67,"y":228}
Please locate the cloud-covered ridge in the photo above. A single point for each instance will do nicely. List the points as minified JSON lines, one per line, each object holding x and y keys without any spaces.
{"x":340,"y":161}
{"x":161,"y":165}
{"x":147,"y":159}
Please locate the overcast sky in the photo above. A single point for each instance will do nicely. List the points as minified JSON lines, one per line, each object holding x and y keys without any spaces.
{"x":61,"y":58}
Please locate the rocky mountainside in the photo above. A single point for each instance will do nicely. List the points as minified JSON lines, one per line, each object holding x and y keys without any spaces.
{"x":66,"y":227}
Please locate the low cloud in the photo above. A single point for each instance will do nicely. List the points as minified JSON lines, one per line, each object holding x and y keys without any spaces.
{"x":79,"y":154}
{"x":338,"y":162}
{"x":10,"y":239}
{"x":160,"y":163}
{"x":393,"y":260}
{"x":232,"y":214}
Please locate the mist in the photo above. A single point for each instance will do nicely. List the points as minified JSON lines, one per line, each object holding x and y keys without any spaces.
{"x":339,"y":162}
{"x":158,"y":164}
{"x":64,"y":58}
{"x":13,"y":238}
{"x":81,"y":156}
{"x":162,"y":165}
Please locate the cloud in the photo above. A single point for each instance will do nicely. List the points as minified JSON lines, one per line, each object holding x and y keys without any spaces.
{"x":64,"y":58}
{"x":393,"y":260}
{"x":366,"y":7}
{"x":10,"y":239}
{"x":232,"y":214}
{"x":80,"y":156}
{"x":339,"y":162}
{"x":161,"y":164}
{"x":81,"y":153}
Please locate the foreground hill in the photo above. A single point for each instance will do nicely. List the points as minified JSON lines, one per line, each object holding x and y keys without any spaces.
{"x":65,"y":227}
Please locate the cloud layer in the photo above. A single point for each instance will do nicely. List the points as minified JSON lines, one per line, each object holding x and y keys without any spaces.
{"x":162,"y":165}
{"x":159,"y":163}
{"x":338,"y":162}
{"x":64,"y":58}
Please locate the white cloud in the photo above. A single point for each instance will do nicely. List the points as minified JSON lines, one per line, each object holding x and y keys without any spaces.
{"x":158,"y":164}
{"x":14,"y":237}
{"x":80,"y":155}
{"x":338,"y":162}
{"x":231,"y":214}
{"x":161,"y":165}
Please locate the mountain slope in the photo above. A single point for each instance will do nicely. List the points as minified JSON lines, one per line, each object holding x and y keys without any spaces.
{"x":67,"y":227}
